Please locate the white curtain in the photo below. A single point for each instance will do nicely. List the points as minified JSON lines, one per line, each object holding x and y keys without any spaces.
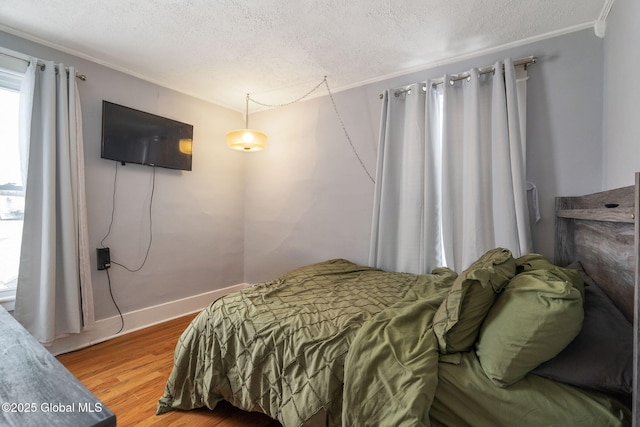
{"x":405,"y":233}
{"x":451,"y":174}
{"x":54,"y":296}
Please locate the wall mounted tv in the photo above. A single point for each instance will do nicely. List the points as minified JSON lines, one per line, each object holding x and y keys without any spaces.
{"x":133,"y":136}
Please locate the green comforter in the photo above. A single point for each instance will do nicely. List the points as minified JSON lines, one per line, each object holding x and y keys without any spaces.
{"x":357,"y":343}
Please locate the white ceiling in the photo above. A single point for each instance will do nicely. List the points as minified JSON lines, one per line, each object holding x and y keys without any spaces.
{"x":277,"y":50}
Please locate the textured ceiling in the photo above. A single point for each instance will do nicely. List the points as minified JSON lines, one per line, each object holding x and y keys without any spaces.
{"x":277,"y":50}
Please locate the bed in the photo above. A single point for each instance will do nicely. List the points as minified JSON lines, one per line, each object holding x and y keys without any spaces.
{"x":509,"y":341}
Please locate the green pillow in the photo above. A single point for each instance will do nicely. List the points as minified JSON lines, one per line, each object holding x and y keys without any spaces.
{"x":458,"y":319}
{"x":530,"y":262}
{"x":535,"y":317}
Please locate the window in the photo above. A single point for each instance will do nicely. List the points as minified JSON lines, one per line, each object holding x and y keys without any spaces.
{"x":11,"y":191}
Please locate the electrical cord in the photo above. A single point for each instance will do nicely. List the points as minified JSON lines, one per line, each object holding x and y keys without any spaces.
{"x":113,"y":209}
{"x":113,"y":206}
{"x":114,"y":303}
{"x":335,"y":108}
{"x":133,"y":270}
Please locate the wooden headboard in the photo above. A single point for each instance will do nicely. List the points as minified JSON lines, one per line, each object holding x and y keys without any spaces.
{"x":601,"y":230}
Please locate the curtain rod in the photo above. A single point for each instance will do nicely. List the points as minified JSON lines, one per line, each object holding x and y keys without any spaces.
{"x":525,"y":62}
{"x":41,"y":63}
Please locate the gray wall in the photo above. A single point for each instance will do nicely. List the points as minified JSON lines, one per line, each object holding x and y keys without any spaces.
{"x":622,"y":95}
{"x":307,"y":198}
{"x":197,"y":216}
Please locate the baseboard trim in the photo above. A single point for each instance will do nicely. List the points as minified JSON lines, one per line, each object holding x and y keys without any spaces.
{"x":106,"y":329}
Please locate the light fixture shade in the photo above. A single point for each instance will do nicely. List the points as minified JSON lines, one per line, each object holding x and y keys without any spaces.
{"x":246,"y":139}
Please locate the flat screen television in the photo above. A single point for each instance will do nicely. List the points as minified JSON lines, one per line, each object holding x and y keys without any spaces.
{"x":133,"y":136}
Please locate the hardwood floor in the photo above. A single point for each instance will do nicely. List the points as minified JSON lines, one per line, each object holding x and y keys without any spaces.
{"x":128,"y":375}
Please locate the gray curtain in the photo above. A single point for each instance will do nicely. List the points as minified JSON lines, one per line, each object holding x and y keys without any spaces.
{"x":405,"y":233}
{"x":451,"y":173}
{"x":54,"y":296}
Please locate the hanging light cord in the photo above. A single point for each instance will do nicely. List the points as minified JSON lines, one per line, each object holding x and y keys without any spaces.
{"x":335,"y":108}
{"x":344,"y":128}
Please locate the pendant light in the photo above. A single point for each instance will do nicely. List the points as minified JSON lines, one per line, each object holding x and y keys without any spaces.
{"x":254,"y":140}
{"x":246,"y":139}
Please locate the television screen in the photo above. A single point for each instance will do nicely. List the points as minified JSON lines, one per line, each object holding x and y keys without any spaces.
{"x":133,"y":136}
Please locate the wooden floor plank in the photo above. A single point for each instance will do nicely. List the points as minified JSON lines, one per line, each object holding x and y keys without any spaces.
{"x":128,"y":375}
